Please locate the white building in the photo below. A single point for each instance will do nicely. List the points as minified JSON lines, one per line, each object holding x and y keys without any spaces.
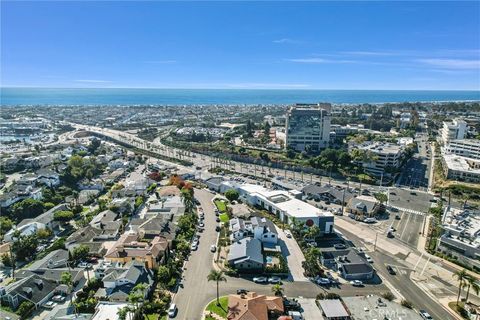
{"x":461,"y":168}
{"x":453,"y":130}
{"x":308,"y":127}
{"x":384,"y":155}
{"x":469,"y":148}
{"x":286,"y":206}
{"x":461,"y":235}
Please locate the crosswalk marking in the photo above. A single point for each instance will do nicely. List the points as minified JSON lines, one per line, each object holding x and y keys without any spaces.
{"x":409,"y":210}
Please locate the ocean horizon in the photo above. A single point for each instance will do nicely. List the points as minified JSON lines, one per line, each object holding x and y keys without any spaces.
{"x":147,"y":96}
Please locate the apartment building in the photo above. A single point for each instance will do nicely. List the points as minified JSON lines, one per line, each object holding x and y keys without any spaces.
{"x":308,"y":127}
{"x":382,"y":156}
{"x":454,"y":130}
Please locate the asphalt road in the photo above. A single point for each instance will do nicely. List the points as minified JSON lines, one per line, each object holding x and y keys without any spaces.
{"x":416,"y":172}
{"x":401,"y":281}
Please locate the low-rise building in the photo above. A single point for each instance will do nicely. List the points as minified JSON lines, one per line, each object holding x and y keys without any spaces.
{"x":246,"y":255}
{"x":333,"y":309}
{"x":461,"y":168}
{"x":469,"y":148}
{"x":286,"y":206}
{"x":130,"y":247}
{"x":252,"y":306}
{"x":259,"y":228}
{"x":363,"y":206}
{"x":461,"y":233}
{"x":33,"y":288}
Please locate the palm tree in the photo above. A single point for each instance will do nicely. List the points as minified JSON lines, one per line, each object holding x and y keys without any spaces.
{"x":216,"y":276}
{"x":66,"y":279}
{"x":187,"y":198}
{"x":461,"y":275}
{"x":277,"y":289}
{"x":472,"y":283}
{"x":137,"y":295}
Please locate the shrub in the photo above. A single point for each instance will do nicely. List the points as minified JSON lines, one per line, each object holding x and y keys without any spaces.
{"x":388,"y":296}
{"x":406,"y":304}
{"x":63,"y":215}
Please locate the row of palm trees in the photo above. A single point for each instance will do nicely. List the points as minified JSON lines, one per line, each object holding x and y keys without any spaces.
{"x":465,"y":280}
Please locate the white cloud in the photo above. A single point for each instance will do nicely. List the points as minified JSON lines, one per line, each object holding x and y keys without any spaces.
{"x":286,"y":40}
{"x":92,"y":81}
{"x":462,"y":64}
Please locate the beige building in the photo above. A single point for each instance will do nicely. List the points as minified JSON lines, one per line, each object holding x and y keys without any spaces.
{"x":252,"y":306}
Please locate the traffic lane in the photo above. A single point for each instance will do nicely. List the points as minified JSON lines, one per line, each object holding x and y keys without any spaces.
{"x":408,"y":227}
{"x":404,"y":285}
{"x":407,"y":288}
{"x":195,"y":291}
{"x":294,"y":255}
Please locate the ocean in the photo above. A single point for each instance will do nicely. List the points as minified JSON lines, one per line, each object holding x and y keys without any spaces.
{"x":117,"y":96}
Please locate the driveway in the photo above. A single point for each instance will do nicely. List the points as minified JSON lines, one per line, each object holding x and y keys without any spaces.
{"x":291,"y":250}
{"x":310,"y":309}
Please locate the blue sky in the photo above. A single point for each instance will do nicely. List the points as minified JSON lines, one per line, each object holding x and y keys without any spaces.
{"x":309,"y":45}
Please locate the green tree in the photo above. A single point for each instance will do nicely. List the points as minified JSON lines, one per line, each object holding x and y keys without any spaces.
{"x":312,"y":232}
{"x":5,"y":225}
{"x":25,"y":247}
{"x":137,"y":296}
{"x":381,"y":197}
{"x":461,"y":276}
{"x":6,"y":260}
{"x":80,"y":253}
{"x":187,"y":198}
{"x":277,"y":289}
{"x":25,"y":309}
{"x":44,"y":233}
{"x":218,"y":277}
{"x":232,"y":195}
{"x":27,"y":208}
{"x":472,"y":283}
{"x":163,"y":275}
{"x":66,"y":279}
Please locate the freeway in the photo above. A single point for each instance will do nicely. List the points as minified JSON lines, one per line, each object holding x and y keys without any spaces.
{"x":205,"y":162}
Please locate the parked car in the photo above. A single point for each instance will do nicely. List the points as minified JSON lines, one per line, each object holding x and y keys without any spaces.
{"x":218,"y":228}
{"x":425,"y":315}
{"x":194,"y":247}
{"x":58,"y":298}
{"x":339,"y":246}
{"x":260,"y":279}
{"x":49,"y":304}
{"x":323,"y":281}
{"x":288,"y":234}
{"x":356,"y":283}
{"x":201,"y":225}
{"x":218,"y":219}
{"x":369,"y":220}
{"x":369,"y":259}
{"x":172,"y":311}
{"x":242,"y":291}
{"x":291,"y":304}
{"x":213,"y":248}
{"x":390,"y":270}
{"x":274,"y":280}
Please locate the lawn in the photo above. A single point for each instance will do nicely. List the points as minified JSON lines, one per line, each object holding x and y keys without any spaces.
{"x":220,"y":310}
{"x":221,"y":206}
{"x":224,"y":217}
